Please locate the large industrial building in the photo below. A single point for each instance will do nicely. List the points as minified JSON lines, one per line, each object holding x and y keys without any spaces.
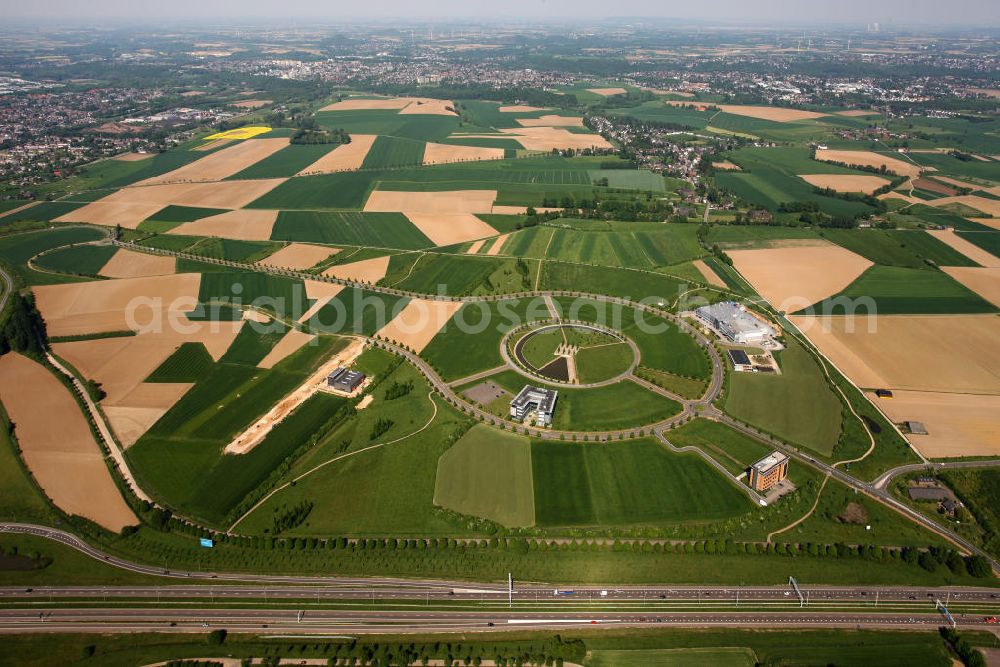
{"x":534,"y":399}
{"x":344,"y":380}
{"x":768,"y":471}
{"x":733,"y":321}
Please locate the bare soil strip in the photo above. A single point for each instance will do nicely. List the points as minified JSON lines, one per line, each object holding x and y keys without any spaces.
{"x":320,"y":293}
{"x":846,"y":182}
{"x":225,"y":194}
{"x":794,"y":278}
{"x":256,"y":433}
{"x":870,"y":159}
{"x":221,"y":164}
{"x":289,"y":343}
{"x":984,"y":282}
{"x":367,"y":270}
{"x":497,"y":245}
{"x":957,"y":424}
{"x":474,"y":248}
{"x":433,"y":107}
{"x":943,"y":353}
{"x":419,"y":322}
{"x":970,"y":250}
{"x":607,"y":92}
{"x":132,"y":157}
{"x":92,"y":307}
{"x":987,"y":206}
{"x":708,"y":274}
{"x":346,"y":157}
{"x":252,"y":104}
{"x":245,"y":225}
{"x":726,"y":165}
{"x":58,"y":446}
{"x":361,"y":105}
{"x":18,"y":209}
{"x":857,"y":112}
{"x":131,"y":264}
{"x":212,"y":145}
{"x":300,"y":256}
{"x":551,"y":120}
{"x":454,"y":201}
{"x":448,"y":229}
{"x":520,"y":108}
{"x":110,"y":213}
{"x":445,"y":153}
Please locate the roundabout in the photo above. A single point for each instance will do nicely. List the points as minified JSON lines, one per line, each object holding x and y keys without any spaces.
{"x":573,"y":354}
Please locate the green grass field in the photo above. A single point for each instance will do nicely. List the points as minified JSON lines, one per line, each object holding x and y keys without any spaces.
{"x":386,"y":230}
{"x":979,"y":490}
{"x":487,"y":473}
{"x":677,"y":657}
{"x":287,"y":162}
{"x":470,"y":342}
{"x":253,"y":342}
{"x":233,"y":250}
{"x":988,"y":241}
{"x":42,"y":211}
{"x":284,"y":296}
{"x":634,"y":285}
{"x":735,"y":451}
{"x":904,"y":291}
{"x":539,"y":348}
{"x":626,"y":483}
{"x":796,"y":405}
{"x":755,"y":236}
{"x":389,"y":152}
{"x":187,"y":364}
{"x":355,"y":311}
{"x":84,"y":260}
{"x":16,"y":250}
{"x":461,"y":275}
{"x":343,"y":190}
{"x":183,"y":213}
{"x":594,"y":364}
{"x":907,"y":249}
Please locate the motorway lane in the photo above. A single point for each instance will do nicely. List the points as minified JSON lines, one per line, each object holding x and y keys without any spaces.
{"x":298,"y":622}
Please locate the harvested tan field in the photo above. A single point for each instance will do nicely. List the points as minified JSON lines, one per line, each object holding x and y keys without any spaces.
{"x":419,"y":322}
{"x":131,"y":264}
{"x":346,"y":157}
{"x":224,"y":194}
{"x":474,"y":248}
{"x":498,"y":244}
{"x":57,"y":445}
{"x":73,"y":309}
{"x":250,"y":438}
{"x":776,"y":114}
{"x":794,"y":278}
{"x":547,"y":138}
{"x":319,"y":293}
{"x":987,"y":206}
{"x":132,"y":157}
{"x":726,"y":165}
{"x":984,"y":282}
{"x":300,"y":256}
{"x":111,"y":213}
{"x":453,"y":201}
{"x":450,"y":228}
{"x":428,"y":106}
{"x":246,"y":225}
{"x":957,"y":424}
{"x":221,"y":164}
{"x":289,"y":343}
{"x":991,"y":92}
{"x":212,"y":145}
{"x":367,"y":270}
{"x":131,"y":419}
{"x":551,"y":120}
{"x":251,"y":315}
{"x":251,"y":104}
{"x":708,"y":274}
{"x":989,"y":222}
{"x":664,"y":91}
{"x":520,"y":108}
{"x":870,"y":159}
{"x":846,"y":182}
{"x":970,"y":250}
{"x":444,"y":153}
{"x":361,"y":105}
{"x":946,"y":353}
{"x":607,"y":92}
{"x":856,"y":112}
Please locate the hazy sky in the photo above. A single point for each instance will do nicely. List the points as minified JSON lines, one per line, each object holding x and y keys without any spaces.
{"x":965,"y":12}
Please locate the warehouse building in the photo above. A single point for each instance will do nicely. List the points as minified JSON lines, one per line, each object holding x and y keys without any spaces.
{"x":344,"y":380}
{"x":534,"y":399}
{"x":734,"y":322}
{"x":767,"y":472}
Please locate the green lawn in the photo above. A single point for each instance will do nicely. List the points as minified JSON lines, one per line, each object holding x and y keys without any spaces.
{"x":626,"y":483}
{"x":735,"y":451}
{"x":539,"y":348}
{"x":487,"y":473}
{"x":677,"y":657}
{"x":594,"y":364}
{"x":796,"y":405}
